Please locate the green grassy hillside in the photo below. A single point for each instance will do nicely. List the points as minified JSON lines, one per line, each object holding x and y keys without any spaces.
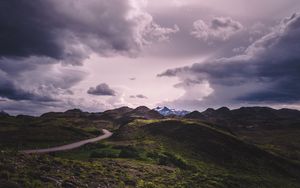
{"x":208,"y":149}
{"x":142,"y":153}
{"x":23,"y":132}
{"x":276,"y":131}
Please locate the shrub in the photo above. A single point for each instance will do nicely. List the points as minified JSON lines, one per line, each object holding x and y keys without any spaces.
{"x":143,"y":184}
{"x":105,"y":153}
{"x":171,"y":159}
{"x":129,"y":152}
{"x":8,"y":184}
{"x":97,"y":145}
{"x":4,"y":175}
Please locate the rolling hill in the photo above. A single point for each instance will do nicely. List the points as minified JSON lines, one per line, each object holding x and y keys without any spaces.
{"x":149,"y":150}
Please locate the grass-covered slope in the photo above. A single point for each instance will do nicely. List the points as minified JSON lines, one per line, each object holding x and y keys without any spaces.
{"x":274,"y":130}
{"x":40,"y":171}
{"x":23,"y":132}
{"x":283,"y":142}
{"x":142,"y":153}
{"x":208,"y":151}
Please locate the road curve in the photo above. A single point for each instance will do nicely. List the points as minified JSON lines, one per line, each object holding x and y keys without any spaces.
{"x":106,"y":134}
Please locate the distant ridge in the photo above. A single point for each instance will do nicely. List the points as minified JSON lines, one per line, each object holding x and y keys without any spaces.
{"x":3,"y":113}
{"x":195,"y":115}
{"x":248,"y":117}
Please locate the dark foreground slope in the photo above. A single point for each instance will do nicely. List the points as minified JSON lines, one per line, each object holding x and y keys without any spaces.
{"x":274,"y":130}
{"x":250,"y":117}
{"x":210,"y":152}
{"x":58,"y":128}
{"x":145,"y":151}
{"x":51,"y":129}
{"x":154,"y":153}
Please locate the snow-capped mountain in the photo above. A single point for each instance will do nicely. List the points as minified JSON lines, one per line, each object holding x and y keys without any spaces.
{"x":167,"y":111}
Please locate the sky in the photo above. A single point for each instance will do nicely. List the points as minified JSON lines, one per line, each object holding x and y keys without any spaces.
{"x":185,"y":54}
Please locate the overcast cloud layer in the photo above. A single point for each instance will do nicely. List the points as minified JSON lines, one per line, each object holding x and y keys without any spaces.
{"x":36,"y":35}
{"x":268,"y":71}
{"x":71,"y":29}
{"x":102,"y":54}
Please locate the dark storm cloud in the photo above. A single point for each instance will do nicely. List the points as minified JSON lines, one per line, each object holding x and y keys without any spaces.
{"x":32,"y":80}
{"x":10,"y":91}
{"x":41,"y":28}
{"x":71,"y":29}
{"x":28,"y":107}
{"x":102,"y":90}
{"x":26,"y":29}
{"x":36,"y":36}
{"x":268,"y":71}
{"x":15,"y":66}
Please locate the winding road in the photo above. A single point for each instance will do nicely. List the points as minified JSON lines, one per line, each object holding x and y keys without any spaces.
{"x":106,"y":135}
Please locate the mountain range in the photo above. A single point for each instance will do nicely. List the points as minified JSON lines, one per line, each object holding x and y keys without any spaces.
{"x":165,"y":111}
